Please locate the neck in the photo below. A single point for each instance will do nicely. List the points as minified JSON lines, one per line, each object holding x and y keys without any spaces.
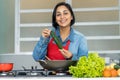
{"x":64,"y":32}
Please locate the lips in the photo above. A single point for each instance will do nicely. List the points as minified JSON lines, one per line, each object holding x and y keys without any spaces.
{"x":63,"y":21}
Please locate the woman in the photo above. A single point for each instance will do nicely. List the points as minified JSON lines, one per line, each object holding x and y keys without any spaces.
{"x":73,"y":42}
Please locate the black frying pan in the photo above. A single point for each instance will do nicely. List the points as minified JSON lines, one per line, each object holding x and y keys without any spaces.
{"x":57,"y":65}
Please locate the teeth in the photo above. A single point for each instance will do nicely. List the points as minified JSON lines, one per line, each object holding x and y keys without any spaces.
{"x":63,"y":21}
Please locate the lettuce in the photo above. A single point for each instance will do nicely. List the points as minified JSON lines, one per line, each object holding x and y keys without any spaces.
{"x":91,"y":66}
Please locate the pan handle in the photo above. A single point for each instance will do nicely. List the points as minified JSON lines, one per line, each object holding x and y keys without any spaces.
{"x":23,"y":67}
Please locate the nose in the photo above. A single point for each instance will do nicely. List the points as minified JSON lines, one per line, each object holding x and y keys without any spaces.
{"x":62,"y":16}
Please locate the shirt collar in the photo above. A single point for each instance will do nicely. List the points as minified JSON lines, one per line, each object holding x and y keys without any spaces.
{"x":71,"y":34}
{"x":70,"y":37}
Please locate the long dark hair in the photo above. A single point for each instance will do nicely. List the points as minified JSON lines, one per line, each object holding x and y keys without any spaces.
{"x":54,"y":23}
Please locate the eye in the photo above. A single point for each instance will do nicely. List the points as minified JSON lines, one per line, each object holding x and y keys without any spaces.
{"x":58,"y":14}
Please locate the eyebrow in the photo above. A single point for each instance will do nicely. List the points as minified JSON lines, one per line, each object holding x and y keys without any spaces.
{"x":63,"y":11}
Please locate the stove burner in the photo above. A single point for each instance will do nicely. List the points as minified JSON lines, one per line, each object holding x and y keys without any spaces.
{"x":33,"y":73}
{"x":3,"y":73}
{"x":61,"y":74}
{"x":6,"y":74}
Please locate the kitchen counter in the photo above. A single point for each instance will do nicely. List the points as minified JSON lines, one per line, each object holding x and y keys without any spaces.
{"x":56,"y":78}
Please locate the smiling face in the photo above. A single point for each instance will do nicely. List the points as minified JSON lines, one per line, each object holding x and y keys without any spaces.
{"x":63,"y":17}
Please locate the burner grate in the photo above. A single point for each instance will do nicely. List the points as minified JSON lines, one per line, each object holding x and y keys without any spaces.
{"x":33,"y":73}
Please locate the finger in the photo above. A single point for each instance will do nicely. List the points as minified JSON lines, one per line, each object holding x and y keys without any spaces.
{"x":63,"y":53}
{"x":47,"y":58}
{"x":64,"y":50}
{"x":60,"y":50}
{"x":66,"y":53}
{"x":47,"y":31}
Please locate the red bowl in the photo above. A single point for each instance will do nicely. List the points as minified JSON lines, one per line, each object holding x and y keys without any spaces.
{"x":5,"y":67}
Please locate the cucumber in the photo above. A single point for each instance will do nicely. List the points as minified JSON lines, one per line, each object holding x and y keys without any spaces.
{"x":56,"y":39}
{"x":116,"y":67}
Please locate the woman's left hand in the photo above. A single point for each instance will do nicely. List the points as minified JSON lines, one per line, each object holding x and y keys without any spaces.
{"x":67,"y":54}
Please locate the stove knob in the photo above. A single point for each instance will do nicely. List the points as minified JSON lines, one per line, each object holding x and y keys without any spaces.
{"x":35,"y":67}
{"x":32,"y":67}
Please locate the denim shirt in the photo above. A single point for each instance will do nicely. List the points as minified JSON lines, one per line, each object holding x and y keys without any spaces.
{"x":78,"y":45}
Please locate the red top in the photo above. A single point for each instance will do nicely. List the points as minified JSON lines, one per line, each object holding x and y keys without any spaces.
{"x":53,"y":51}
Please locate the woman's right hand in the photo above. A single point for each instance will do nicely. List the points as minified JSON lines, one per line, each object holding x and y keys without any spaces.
{"x":46,"y":33}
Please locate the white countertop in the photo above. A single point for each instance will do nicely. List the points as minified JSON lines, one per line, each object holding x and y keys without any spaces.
{"x":56,"y":78}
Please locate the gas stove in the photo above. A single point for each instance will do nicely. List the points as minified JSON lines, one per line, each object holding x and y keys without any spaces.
{"x":34,"y":73}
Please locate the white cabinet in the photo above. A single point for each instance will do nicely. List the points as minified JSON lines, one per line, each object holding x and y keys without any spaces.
{"x":98,"y":20}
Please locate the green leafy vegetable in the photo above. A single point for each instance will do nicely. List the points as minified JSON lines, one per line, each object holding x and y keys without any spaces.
{"x":91,"y":66}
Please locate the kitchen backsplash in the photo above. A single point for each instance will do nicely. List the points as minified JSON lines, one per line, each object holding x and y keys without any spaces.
{"x":20,"y":60}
